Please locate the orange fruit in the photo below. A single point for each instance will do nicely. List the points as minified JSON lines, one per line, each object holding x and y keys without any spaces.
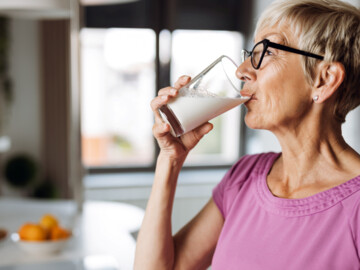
{"x":32,"y":232}
{"x":48,"y":222}
{"x":58,"y":233}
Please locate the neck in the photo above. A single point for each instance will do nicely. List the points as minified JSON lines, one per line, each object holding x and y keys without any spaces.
{"x":309,"y":150}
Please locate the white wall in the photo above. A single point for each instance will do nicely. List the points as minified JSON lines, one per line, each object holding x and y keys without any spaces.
{"x":24,"y":125}
{"x":353,"y":2}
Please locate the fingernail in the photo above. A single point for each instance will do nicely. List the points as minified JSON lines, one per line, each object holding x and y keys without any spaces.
{"x":184,"y":78}
{"x":209,"y":128}
{"x":163,"y":97}
{"x":174,"y":91}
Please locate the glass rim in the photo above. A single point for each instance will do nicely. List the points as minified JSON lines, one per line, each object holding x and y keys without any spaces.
{"x":209,"y":67}
{"x":226,"y":73}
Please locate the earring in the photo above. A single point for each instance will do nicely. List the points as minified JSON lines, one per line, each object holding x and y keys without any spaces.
{"x":316,"y":98}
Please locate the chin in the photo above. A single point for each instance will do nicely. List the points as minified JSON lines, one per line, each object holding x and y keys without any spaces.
{"x":253,"y":126}
{"x":250,"y":121}
{"x":254,"y":122}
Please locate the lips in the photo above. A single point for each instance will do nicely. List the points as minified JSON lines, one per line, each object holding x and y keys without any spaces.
{"x":251,"y":96}
{"x":248,"y":93}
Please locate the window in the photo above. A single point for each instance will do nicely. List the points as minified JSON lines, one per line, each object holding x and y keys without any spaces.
{"x":118,"y":82}
{"x":127,"y":55}
{"x":192,"y":51}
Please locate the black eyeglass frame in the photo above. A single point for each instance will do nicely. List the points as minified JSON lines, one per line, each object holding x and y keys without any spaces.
{"x":267,"y":43}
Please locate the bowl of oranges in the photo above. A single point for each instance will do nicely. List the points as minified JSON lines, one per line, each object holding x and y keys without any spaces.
{"x":43,"y":238}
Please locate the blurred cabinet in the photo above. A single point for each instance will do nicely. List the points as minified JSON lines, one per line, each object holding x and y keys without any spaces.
{"x":59,"y":115}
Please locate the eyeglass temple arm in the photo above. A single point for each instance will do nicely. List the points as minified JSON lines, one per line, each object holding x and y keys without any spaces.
{"x":289,"y":49}
{"x":244,"y":53}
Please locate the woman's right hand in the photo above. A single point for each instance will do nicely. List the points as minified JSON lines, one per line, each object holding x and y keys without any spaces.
{"x":174,"y":148}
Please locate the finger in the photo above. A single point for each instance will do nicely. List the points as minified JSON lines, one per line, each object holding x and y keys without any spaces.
{"x":160,"y":129}
{"x":159,"y":101}
{"x":192,"y":138}
{"x":156,"y":104}
{"x":158,"y":118}
{"x":183,"y":80}
{"x":203,"y":130}
{"x":170,"y":91}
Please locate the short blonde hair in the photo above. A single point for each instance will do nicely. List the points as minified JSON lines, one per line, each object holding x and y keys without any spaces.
{"x":326,"y":27}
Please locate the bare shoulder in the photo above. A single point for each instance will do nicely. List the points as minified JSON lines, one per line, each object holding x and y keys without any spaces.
{"x":195,"y":243}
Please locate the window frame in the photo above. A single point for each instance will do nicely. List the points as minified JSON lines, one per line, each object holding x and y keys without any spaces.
{"x":167,"y":16}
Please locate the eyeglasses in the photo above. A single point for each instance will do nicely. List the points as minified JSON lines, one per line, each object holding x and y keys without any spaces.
{"x":260,"y":49}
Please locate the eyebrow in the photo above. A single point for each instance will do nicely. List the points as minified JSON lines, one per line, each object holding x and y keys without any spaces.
{"x":281,"y":36}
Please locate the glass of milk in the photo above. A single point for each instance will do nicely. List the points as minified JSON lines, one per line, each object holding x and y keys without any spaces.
{"x":212,"y":92}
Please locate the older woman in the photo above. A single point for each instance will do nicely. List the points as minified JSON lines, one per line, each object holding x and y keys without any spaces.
{"x":298,"y":209}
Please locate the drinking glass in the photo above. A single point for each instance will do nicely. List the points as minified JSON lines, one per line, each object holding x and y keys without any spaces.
{"x":212,"y":92}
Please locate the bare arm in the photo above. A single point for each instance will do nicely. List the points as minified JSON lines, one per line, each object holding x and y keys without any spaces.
{"x":156,"y":248}
{"x":195,"y":243}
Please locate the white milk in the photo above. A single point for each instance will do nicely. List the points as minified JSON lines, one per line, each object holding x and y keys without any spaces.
{"x":192,"y":111}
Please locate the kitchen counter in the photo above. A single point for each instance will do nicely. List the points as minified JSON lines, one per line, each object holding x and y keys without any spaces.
{"x":102,"y":232}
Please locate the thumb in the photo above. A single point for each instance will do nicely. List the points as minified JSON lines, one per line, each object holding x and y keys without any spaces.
{"x":191,"y":138}
{"x":203,"y":130}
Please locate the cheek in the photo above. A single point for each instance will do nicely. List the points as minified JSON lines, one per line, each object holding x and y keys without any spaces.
{"x":267,"y":109}
{"x":271,"y":90}
{"x":283,"y":85}
{"x":280,"y":100}
{"x":282,"y":92}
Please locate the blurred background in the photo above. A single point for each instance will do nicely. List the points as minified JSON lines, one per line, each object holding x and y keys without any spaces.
{"x":76,"y":80}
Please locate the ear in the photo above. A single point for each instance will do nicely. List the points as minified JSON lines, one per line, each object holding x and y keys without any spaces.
{"x":328,"y":79}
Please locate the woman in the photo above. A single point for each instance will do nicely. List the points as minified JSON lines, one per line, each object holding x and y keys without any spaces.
{"x":298,"y":209}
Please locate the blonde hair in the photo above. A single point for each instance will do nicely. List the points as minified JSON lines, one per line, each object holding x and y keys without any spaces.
{"x":326,"y":27}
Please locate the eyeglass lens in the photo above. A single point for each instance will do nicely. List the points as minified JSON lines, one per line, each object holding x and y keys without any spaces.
{"x":256,"y":55}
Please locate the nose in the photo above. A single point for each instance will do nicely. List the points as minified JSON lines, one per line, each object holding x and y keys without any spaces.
{"x":245,"y":71}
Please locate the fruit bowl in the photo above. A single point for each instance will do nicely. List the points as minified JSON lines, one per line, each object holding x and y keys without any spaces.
{"x":40,"y":248}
